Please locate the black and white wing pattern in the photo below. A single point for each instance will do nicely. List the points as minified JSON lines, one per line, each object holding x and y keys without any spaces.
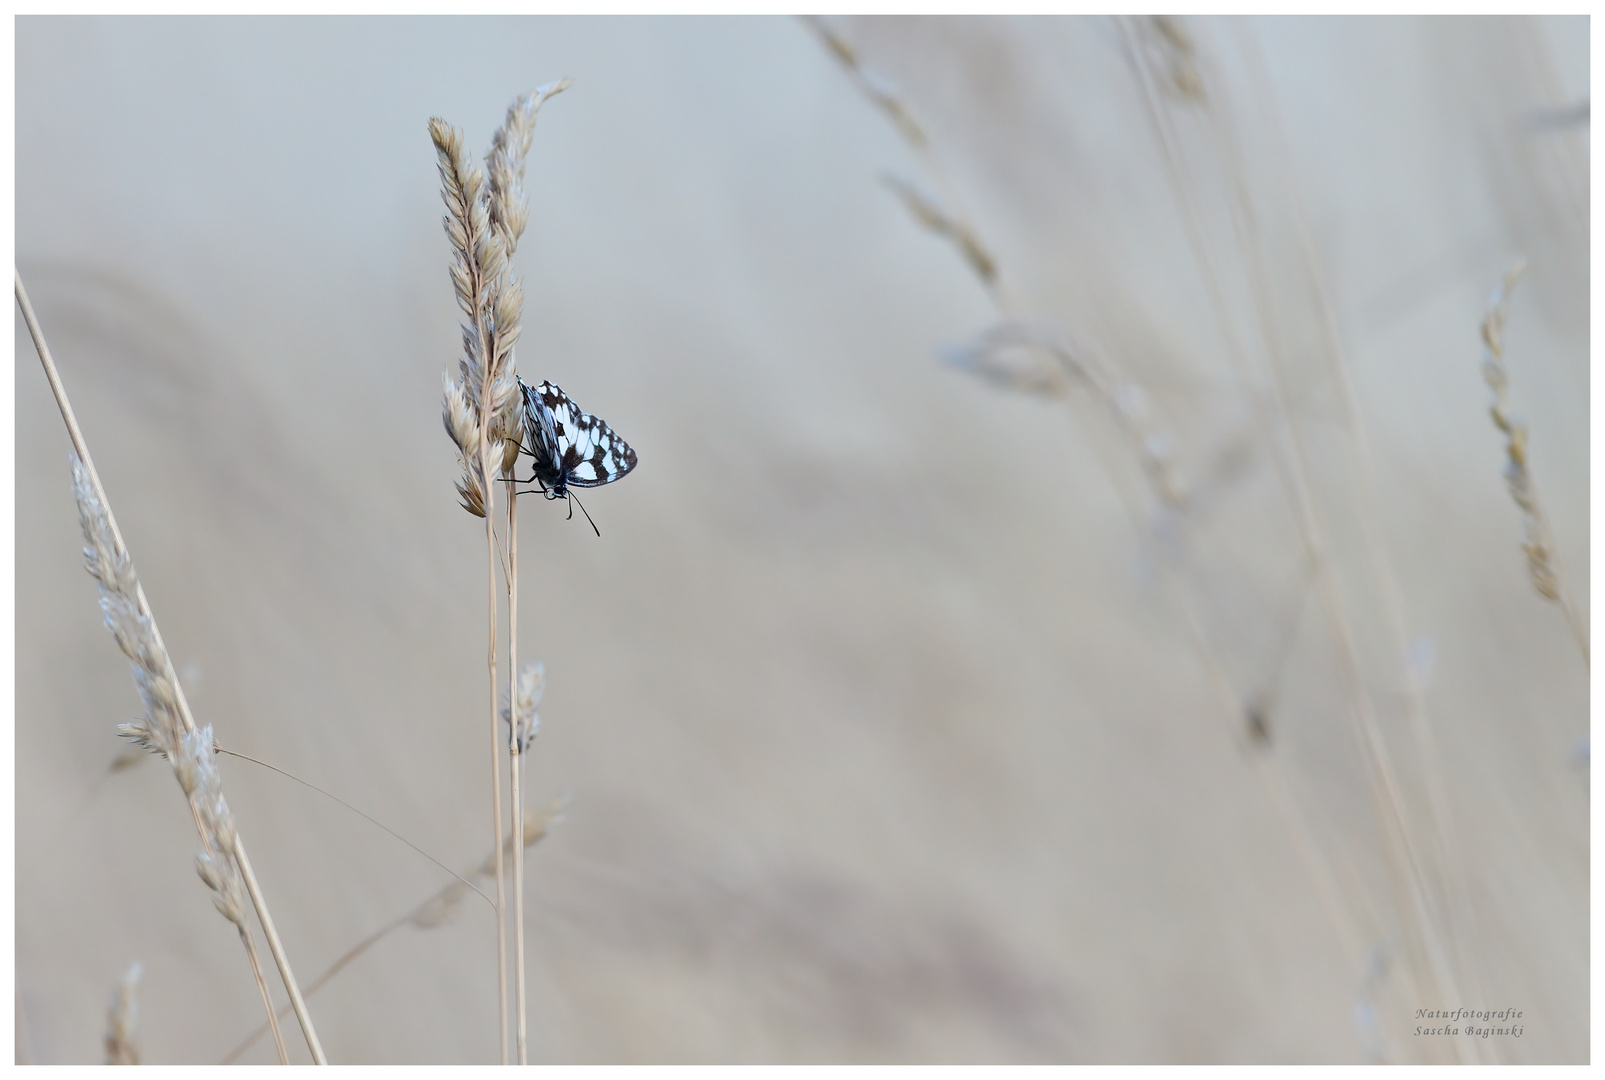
{"x":570,"y":447}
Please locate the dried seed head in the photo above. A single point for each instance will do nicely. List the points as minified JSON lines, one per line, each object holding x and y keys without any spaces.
{"x":126,"y":760}
{"x":184,"y":769}
{"x":461,"y":281}
{"x":505,"y":324}
{"x":511,"y":423}
{"x":192,"y":754}
{"x":536,"y":826}
{"x":1007,"y":355}
{"x":103,"y":557}
{"x":488,"y":250}
{"x":1537,"y":544}
{"x":197,"y":754}
{"x":504,"y":396}
{"x":223,"y":878}
{"x":509,"y":209}
{"x":933,"y":217}
{"x":118,"y":584}
{"x":439,"y":909}
{"x":1179,"y":56}
{"x":479,"y":276}
{"x":122,"y":1020}
{"x":508,"y":423}
{"x":521,"y":717}
{"x":875,"y":86}
{"x":1541,"y":568}
{"x":470,"y":496}
{"x":458,"y":417}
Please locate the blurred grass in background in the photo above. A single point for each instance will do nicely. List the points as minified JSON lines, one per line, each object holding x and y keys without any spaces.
{"x":1192,"y":705}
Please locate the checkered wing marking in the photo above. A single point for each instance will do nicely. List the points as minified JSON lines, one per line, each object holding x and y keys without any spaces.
{"x":588,"y":451}
{"x":542,"y":444}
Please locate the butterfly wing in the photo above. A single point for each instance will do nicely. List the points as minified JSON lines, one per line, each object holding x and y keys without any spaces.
{"x":541,"y":428}
{"x":588,"y":451}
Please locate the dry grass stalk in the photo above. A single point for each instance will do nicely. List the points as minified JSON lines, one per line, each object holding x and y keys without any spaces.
{"x":1412,"y":871}
{"x":508,"y":209}
{"x":523,"y":724}
{"x":1179,"y":57}
{"x":471,"y":408}
{"x":515,"y":770}
{"x":1039,"y":359}
{"x":169,"y":726}
{"x":1004,"y":352}
{"x":871,"y":83}
{"x":122,"y":1020}
{"x":1538,"y":543}
{"x":438,"y":910}
{"x":189,"y":752}
{"x":133,"y":731}
{"x":925,"y":211}
{"x":988,"y":358}
{"x":486,"y":214}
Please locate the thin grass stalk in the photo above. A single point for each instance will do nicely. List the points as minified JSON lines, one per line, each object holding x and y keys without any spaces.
{"x":489,"y":490}
{"x":506,"y":212}
{"x":495,"y":744}
{"x":518,"y":709}
{"x":1292,"y":471}
{"x":253,"y":888}
{"x":515,"y":770}
{"x":1538,"y":543}
{"x":192,"y":755}
{"x":956,"y":228}
{"x":433,"y":912}
{"x":1461,"y":923}
{"x":366,"y":817}
{"x":267,"y":998}
{"x":471,"y":406}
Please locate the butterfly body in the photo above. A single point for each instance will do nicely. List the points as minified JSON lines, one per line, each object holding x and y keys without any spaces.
{"x":571,"y":448}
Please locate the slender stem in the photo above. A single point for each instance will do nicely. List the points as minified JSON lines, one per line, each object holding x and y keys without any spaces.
{"x":488,"y":493}
{"x":516,"y":769}
{"x":372,"y":821}
{"x":267,"y":999}
{"x":417,"y":917}
{"x":495,"y":764}
{"x":1294,"y":474}
{"x":276,"y":947}
{"x":266,"y":919}
{"x":317,"y":984}
{"x":245,"y":936}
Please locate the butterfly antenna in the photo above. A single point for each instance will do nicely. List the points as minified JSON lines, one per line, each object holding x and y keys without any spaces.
{"x":587,"y":513}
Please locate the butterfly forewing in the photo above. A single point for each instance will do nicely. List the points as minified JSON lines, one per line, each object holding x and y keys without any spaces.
{"x":542,"y":443}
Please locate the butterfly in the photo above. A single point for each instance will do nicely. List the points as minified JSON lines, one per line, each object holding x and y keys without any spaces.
{"x":570,"y":448}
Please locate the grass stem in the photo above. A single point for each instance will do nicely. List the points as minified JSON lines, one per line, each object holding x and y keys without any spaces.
{"x":253,"y":888}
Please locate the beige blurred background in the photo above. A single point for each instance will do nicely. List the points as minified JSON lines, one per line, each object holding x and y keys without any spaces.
{"x":900,"y":719}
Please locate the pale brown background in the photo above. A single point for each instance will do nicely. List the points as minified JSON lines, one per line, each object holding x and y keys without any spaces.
{"x":884,"y":730}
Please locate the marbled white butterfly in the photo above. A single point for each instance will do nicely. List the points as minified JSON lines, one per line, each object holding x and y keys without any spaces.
{"x":570,"y":448}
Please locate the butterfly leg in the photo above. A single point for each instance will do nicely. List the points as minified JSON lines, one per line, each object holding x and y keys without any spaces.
{"x":513,"y":479}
